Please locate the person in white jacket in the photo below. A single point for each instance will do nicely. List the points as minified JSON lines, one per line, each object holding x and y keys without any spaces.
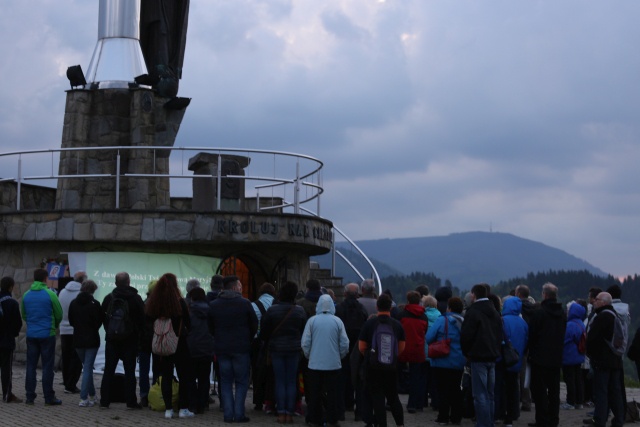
{"x":325,"y":344}
{"x":71,"y":364}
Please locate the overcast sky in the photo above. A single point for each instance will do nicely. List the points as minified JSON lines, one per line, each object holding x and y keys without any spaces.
{"x":432,"y":117}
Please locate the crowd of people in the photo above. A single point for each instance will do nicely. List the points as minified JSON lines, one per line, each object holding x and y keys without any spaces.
{"x":482,"y":357}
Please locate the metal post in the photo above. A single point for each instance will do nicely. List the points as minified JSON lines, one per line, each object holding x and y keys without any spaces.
{"x":118,"y":181}
{"x":318,"y":190}
{"x":19,"y":182}
{"x":258,"y":201}
{"x":296,"y":189}
{"x":219,"y":183}
{"x":333,"y":253}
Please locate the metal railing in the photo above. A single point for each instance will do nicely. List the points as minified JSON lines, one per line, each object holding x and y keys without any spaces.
{"x":302,"y":177}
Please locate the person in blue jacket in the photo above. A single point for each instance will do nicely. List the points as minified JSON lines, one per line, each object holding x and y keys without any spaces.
{"x":572,"y":359}
{"x":516,"y":331}
{"x":448,"y":370}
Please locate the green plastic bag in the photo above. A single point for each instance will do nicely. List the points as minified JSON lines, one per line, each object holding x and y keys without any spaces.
{"x":156,"y":402}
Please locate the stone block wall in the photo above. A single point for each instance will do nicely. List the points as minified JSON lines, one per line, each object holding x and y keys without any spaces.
{"x":109,"y":118}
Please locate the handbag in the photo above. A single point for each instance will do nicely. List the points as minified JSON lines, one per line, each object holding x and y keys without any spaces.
{"x":441,"y":347}
{"x":510,"y":355}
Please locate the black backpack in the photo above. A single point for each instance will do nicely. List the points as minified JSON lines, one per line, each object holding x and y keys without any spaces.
{"x":384,"y":347}
{"x":1,"y":310}
{"x":119,"y":326}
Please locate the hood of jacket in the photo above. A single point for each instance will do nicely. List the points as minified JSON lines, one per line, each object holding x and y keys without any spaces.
{"x":38,"y":286}
{"x":325,"y":305}
{"x":552,"y":307}
{"x":576,"y":311}
{"x":622,"y":308}
{"x":73,"y":287}
{"x":432,"y":314}
{"x":512,"y":306}
{"x":228,"y":294}
{"x":415,"y":309}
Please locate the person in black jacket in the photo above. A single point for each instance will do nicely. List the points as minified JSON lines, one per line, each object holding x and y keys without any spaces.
{"x":234,"y":325}
{"x":10,"y":326}
{"x":634,"y":351}
{"x":546,"y":343}
{"x":165,"y":302}
{"x":353,"y":315}
{"x":125,"y":348}
{"x":200,"y":343}
{"x":480,"y":339}
{"x":608,"y":386}
{"x":86,"y":317}
{"x":281,"y":329}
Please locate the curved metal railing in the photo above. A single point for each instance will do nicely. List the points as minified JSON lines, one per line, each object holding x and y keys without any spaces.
{"x":302,"y":177}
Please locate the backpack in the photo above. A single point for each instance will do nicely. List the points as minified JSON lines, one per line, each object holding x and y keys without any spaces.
{"x":618,"y":343}
{"x":384,"y":347}
{"x":120,"y":326}
{"x":165,"y":340}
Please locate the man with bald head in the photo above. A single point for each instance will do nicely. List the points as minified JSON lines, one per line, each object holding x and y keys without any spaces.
{"x":608,"y":385}
{"x":353,"y":315}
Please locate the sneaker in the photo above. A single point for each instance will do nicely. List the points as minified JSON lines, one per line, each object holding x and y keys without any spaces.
{"x":268,"y":408}
{"x":93,"y":399}
{"x":168,"y":413}
{"x":589,"y":404}
{"x":86,"y":403}
{"x":298,"y":412}
{"x":53,"y":402}
{"x":184,"y":413}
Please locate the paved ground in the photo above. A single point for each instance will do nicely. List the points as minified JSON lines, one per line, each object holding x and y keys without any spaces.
{"x":69,"y":414}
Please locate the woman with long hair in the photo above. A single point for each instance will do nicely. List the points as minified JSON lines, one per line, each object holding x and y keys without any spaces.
{"x":166,"y":302}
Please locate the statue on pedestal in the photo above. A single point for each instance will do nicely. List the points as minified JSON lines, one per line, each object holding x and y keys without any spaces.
{"x":163,"y":38}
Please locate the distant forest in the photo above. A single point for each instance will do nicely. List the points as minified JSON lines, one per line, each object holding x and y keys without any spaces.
{"x":571,"y":285}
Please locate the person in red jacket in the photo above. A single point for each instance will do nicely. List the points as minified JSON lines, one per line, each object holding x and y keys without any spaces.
{"x":415,"y":323}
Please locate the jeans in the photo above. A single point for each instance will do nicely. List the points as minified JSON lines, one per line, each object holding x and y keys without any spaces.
{"x":114,"y":351}
{"x":545,"y":390}
{"x":285,"y":369}
{"x":87,"y":357}
{"x":608,"y":394}
{"x":483,"y":385}
{"x":234,"y":369}
{"x":37,"y":348}
{"x":417,"y":384}
{"x":144,"y":366}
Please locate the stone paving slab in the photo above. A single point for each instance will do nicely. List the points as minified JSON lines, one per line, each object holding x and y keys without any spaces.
{"x":69,"y":414}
